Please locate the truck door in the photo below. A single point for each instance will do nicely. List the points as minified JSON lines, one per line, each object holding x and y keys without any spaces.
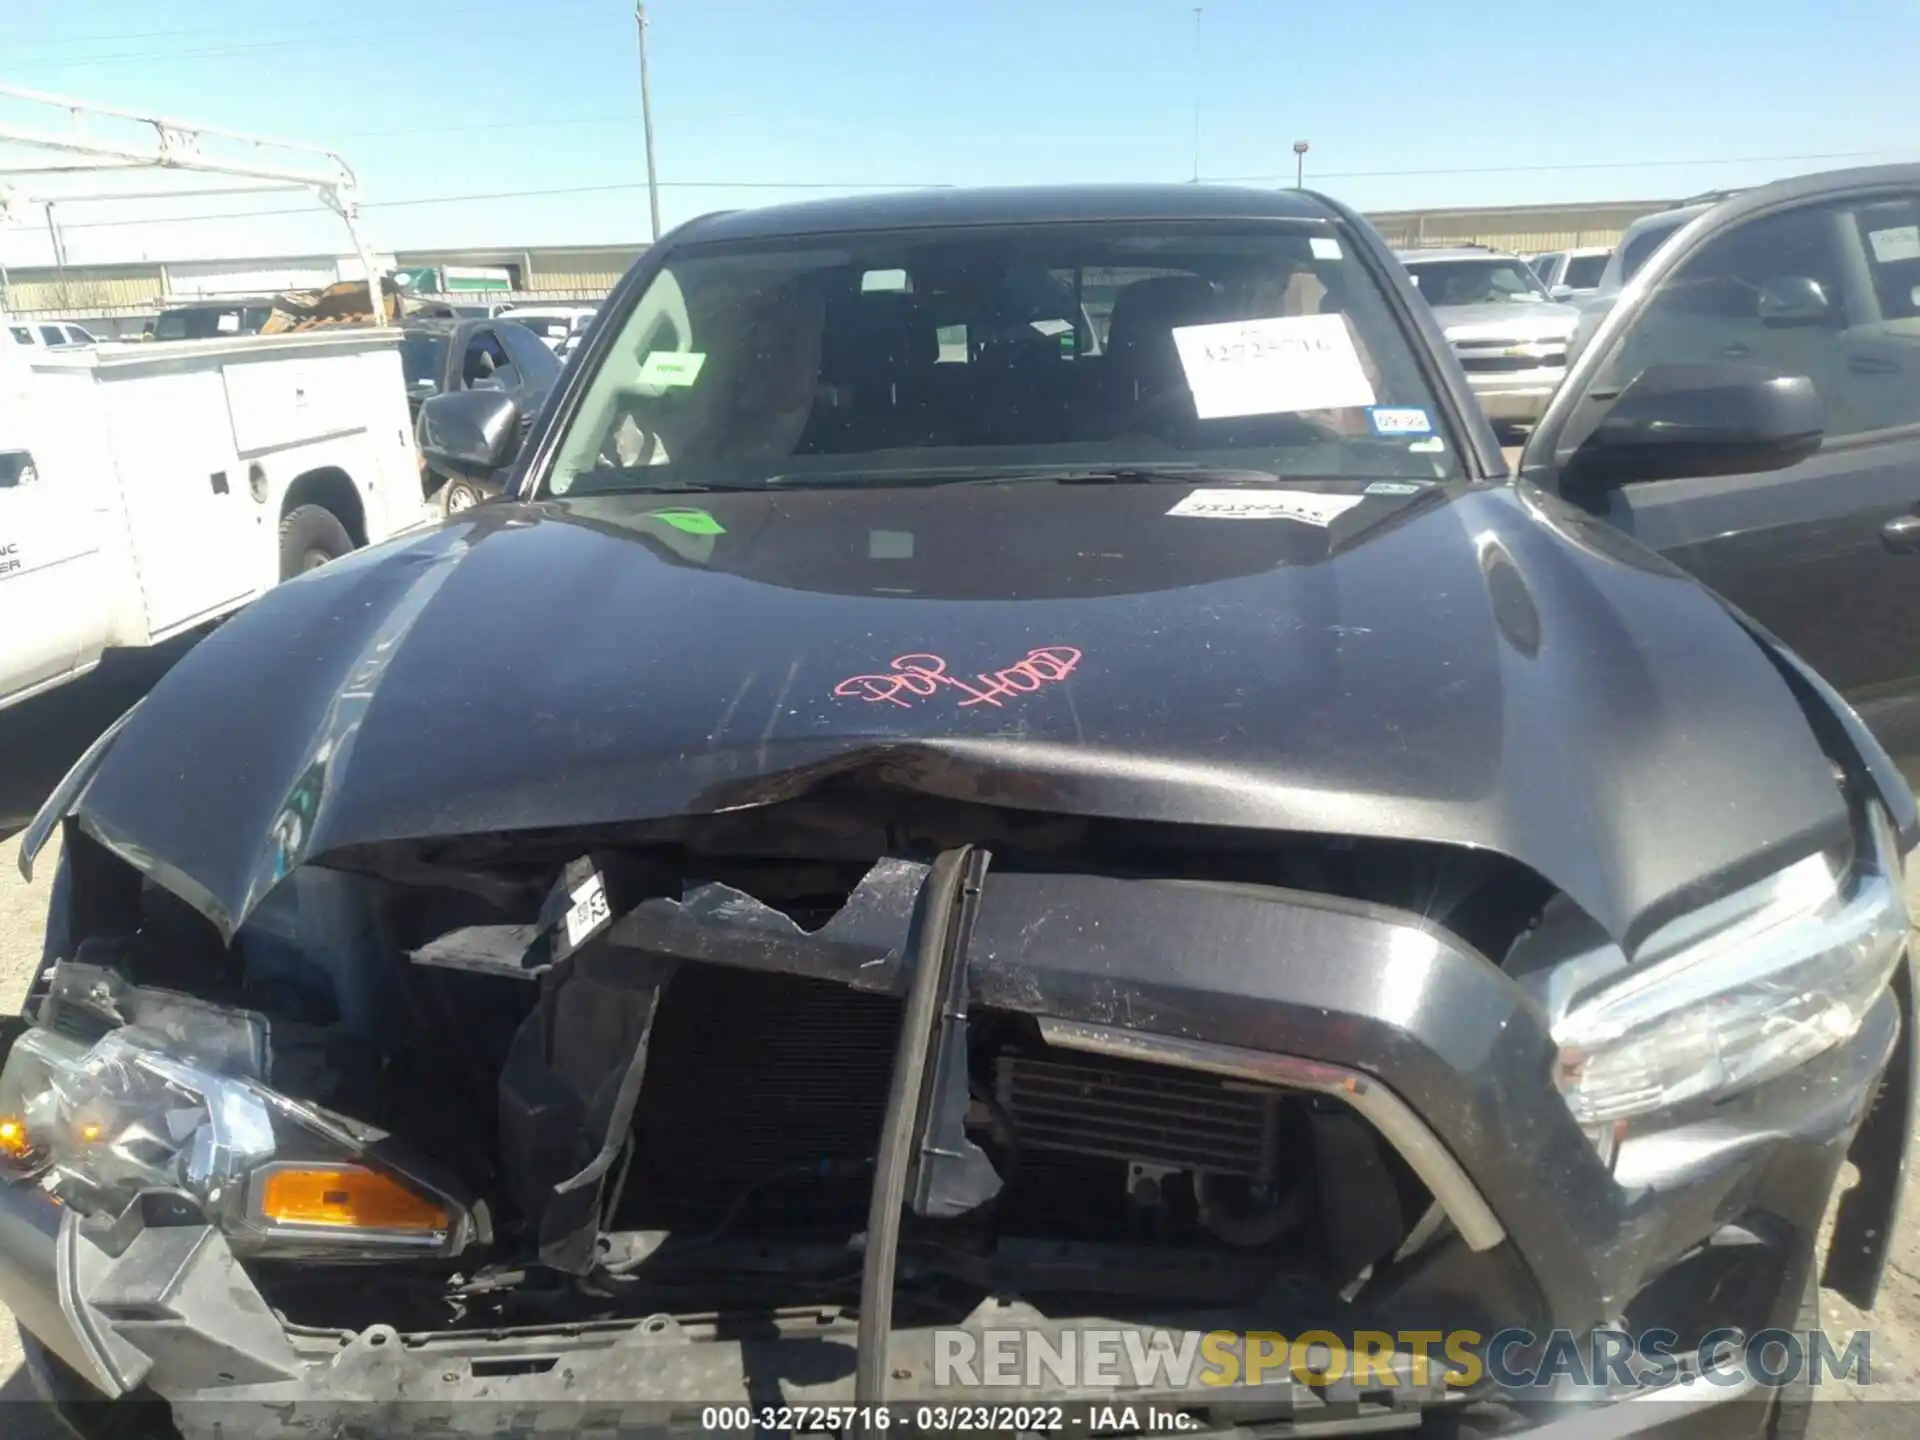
{"x":50,"y":586}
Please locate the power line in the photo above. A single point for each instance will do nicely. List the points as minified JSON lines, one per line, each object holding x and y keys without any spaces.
{"x":1578,"y":165}
{"x":802,"y":185}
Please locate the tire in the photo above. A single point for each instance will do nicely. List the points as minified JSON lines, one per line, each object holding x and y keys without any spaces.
{"x":1792,"y":1412}
{"x":84,"y":1412}
{"x":310,"y":536}
{"x":459,"y":495}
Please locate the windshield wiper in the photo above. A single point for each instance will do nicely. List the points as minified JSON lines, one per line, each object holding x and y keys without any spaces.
{"x":1172,"y":474}
{"x":589,"y":483}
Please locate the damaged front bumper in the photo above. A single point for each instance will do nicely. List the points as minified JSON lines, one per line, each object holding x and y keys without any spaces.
{"x":1704,"y":1222}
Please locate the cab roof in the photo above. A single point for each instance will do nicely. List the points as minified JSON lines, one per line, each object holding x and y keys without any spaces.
{"x":1009,"y":205}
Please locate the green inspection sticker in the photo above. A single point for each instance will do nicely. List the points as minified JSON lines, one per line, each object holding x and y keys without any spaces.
{"x":691,"y":522}
{"x":671,"y":367}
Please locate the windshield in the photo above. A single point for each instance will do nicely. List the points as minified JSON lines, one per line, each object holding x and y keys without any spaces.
{"x":423,"y":356}
{"x":1476,"y":282}
{"x":205,"y":324}
{"x":1584,"y":271}
{"x":932,"y":355}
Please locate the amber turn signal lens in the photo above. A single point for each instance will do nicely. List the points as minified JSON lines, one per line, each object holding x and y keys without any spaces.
{"x":14,"y":1144}
{"x":346,"y":1196}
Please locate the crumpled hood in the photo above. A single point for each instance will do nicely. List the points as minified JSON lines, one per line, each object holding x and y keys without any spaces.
{"x":1458,"y":666}
{"x":1520,"y":322}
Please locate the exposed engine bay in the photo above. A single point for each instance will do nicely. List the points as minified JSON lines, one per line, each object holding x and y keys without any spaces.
{"x":651,"y":1073}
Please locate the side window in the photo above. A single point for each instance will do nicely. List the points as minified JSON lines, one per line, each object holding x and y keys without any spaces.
{"x":486,"y":366}
{"x":1890,"y":237}
{"x":22,"y":334}
{"x":1767,"y":293}
{"x":51,"y":335}
{"x":1829,"y":291}
{"x":535,"y":363}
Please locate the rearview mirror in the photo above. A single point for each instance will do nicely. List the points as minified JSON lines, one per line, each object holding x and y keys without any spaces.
{"x":470,"y":432}
{"x":1676,"y":421}
{"x":1794,"y":300}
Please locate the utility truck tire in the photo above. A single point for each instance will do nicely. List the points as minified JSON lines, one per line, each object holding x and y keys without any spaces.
{"x":310,"y":536}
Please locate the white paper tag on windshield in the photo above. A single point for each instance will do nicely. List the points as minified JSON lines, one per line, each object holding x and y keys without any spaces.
{"x":588,"y":910}
{"x":1274,"y":366}
{"x":1324,"y":247}
{"x":1310,"y":507}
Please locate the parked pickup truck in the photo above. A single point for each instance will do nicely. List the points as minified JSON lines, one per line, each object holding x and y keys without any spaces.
{"x":898,"y":877}
{"x":148,"y":489}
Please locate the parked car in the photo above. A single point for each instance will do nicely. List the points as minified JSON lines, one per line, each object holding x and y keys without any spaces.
{"x":147,"y":491}
{"x":1571,"y":274}
{"x":29,"y":332}
{"x":554,"y":324}
{"x":1175,"y":836}
{"x":1817,"y":278}
{"x":1510,"y":336}
{"x":443,"y":357}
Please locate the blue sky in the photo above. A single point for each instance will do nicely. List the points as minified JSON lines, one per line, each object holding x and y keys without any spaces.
{"x":1404,"y":103}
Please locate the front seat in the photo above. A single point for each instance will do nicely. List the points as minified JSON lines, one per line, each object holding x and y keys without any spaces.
{"x":1147,"y":375}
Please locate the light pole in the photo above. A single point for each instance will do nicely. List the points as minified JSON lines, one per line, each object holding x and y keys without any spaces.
{"x":646,"y":119}
{"x":1300,"y":148}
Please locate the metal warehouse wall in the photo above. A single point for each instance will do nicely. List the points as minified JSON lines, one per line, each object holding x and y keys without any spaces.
{"x":1527,"y":229}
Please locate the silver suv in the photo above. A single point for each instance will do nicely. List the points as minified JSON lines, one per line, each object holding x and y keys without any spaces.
{"x":1510,"y":335}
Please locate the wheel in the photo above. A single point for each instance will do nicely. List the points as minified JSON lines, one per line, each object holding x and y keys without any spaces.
{"x":1792,"y":1411}
{"x":310,"y":536}
{"x":84,"y":1412}
{"x":458,"y":495}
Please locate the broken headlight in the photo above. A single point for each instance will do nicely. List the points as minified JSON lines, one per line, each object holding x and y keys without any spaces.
{"x":1741,"y":991}
{"x":100,"y":1124}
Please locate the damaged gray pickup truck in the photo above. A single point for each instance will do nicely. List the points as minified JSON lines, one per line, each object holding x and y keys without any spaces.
{"x":1013,"y":764}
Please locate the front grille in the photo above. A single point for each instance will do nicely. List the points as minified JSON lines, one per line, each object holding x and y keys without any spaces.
{"x":1506,"y":364}
{"x":1139,"y":1113}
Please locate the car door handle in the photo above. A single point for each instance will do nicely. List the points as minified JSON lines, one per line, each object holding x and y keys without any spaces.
{"x":1902,"y":533}
{"x":1736,"y":351}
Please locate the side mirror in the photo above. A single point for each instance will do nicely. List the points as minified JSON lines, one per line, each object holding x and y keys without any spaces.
{"x":1794,"y":300}
{"x":470,"y":432}
{"x":1676,"y":421}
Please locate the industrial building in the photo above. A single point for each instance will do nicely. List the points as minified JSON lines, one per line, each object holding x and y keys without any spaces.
{"x":120,"y":297}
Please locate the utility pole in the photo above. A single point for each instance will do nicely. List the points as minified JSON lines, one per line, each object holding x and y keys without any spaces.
{"x":1300,"y":148}
{"x":59,"y":254}
{"x":1196,"y":94}
{"x":646,"y":119}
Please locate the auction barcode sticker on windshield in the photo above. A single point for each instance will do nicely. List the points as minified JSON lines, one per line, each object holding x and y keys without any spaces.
{"x":1275,"y":366}
{"x":1309,"y":507}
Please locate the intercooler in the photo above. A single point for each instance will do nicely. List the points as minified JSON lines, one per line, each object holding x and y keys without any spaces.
{"x":1139,"y":1113}
{"x":774,"y":1087}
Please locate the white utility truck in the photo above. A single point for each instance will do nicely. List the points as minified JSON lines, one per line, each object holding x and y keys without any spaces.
{"x":149,"y":489}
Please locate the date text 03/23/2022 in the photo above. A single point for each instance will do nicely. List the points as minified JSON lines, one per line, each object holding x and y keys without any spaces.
{"x":947,"y":1419}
